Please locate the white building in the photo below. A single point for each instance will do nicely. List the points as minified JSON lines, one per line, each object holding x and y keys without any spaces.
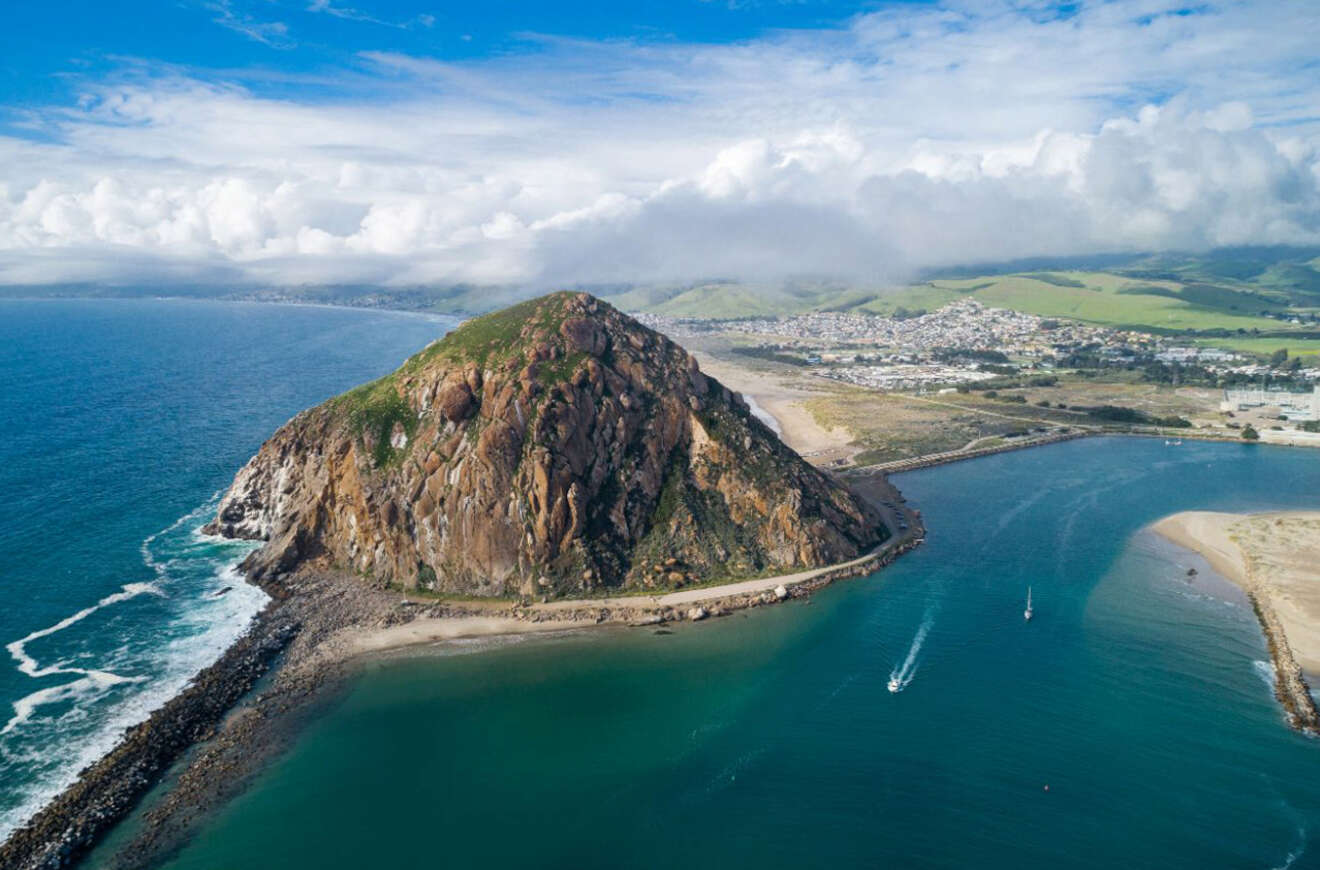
{"x":1294,"y":406}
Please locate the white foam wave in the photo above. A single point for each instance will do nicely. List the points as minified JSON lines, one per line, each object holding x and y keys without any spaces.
{"x":905,"y":673}
{"x":49,"y":751}
{"x":149,"y":558}
{"x":93,"y":684}
{"x":1291,"y":858}
{"x":30,"y":666}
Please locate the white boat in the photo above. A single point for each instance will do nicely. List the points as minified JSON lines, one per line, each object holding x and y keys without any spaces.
{"x":894,"y":684}
{"x":1026,"y":614}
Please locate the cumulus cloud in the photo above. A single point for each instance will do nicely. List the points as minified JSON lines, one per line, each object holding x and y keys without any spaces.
{"x":969,"y":131}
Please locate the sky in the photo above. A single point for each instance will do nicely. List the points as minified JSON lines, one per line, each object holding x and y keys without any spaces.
{"x":538,"y":144}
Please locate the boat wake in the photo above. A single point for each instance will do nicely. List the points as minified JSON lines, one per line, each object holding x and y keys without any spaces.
{"x":107,"y":666}
{"x":903,"y":675}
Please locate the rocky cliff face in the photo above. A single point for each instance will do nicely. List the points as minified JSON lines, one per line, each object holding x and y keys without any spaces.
{"x":553,"y":448}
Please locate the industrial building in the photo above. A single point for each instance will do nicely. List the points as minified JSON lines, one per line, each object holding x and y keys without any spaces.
{"x":1295,"y":406}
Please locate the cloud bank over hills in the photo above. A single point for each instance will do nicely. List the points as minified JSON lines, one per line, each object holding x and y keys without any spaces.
{"x":912,"y":137}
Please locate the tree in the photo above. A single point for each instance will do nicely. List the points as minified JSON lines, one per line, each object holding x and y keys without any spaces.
{"x":1279,"y":357}
{"x":1249,"y":433}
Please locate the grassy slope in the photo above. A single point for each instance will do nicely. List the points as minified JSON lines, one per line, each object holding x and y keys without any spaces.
{"x":732,"y":300}
{"x":1164,"y":292}
{"x":1112,"y":300}
{"x":1137,"y":301}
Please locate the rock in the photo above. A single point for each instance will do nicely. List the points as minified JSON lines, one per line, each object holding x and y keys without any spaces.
{"x":781,"y":592}
{"x":674,"y":577}
{"x":584,"y":335}
{"x":698,"y":613}
{"x":454,"y":400}
{"x":487,"y":463}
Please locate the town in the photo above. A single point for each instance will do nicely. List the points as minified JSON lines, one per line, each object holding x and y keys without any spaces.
{"x":965,"y":342}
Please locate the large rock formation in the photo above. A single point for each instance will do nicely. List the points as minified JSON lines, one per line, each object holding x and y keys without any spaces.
{"x":552,"y":448}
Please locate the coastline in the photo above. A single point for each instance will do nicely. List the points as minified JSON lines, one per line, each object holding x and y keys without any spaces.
{"x":321,"y":626}
{"x":1240,"y":548}
{"x":930,"y":460}
{"x":298,"y":652}
{"x":382,"y":625}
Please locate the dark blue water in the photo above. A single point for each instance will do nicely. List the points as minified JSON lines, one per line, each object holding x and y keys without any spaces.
{"x":119,"y":421}
{"x":769,"y":739}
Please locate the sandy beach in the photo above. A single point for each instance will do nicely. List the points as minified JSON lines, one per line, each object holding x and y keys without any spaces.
{"x":1275,"y":558}
{"x":783,"y":401}
{"x":462,"y":622}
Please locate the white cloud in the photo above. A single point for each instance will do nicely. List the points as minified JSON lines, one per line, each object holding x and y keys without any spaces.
{"x":970,"y":131}
{"x":349,"y":13}
{"x":272,"y":33}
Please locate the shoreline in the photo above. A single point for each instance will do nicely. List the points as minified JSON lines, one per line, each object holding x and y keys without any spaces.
{"x":61,"y":832}
{"x":264,"y":725}
{"x":316,"y":631}
{"x":930,"y":460}
{"x":1226,"y":542}
{"x":378,"y":309}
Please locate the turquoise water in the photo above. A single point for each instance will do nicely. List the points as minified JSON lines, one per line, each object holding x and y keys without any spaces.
{"x":768,"y":739}
{"x":120,"y":420}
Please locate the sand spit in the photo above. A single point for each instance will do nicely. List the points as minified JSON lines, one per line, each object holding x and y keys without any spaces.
{"x":1275,"y":558}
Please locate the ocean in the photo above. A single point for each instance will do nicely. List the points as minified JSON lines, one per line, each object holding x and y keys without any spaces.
{"x":1131,"y":723}
{"x":121,"y":422}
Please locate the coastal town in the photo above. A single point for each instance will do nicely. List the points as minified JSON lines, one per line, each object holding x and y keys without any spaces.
{"x":961,"y":342}
{"x":1017,"y":377}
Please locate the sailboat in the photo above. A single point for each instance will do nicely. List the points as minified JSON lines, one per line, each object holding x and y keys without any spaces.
{"x":1026,"y":614}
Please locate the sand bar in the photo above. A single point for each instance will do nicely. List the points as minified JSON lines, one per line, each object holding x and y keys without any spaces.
{"x":1275,"y":558}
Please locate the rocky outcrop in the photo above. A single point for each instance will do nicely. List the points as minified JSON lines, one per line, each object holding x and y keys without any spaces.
{"x":554,"y":448}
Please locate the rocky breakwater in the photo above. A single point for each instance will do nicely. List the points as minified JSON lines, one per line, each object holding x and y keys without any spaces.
{"x":1290,"y":685}
{"x":554,"y":449}
{"x":66,"y":828}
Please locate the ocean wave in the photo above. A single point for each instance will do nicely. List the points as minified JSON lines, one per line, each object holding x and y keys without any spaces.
{"x":28,"y":665}
{"x":42,"y":752}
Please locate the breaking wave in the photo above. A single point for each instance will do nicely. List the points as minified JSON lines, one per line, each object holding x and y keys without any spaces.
{"x":107,"y":666}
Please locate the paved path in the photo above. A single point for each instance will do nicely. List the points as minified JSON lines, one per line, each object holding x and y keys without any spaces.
{"x":709,"y":593}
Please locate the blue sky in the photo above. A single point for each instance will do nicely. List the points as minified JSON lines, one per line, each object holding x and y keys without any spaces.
{"x":43,"y":42}
{"x":542,"y":143}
